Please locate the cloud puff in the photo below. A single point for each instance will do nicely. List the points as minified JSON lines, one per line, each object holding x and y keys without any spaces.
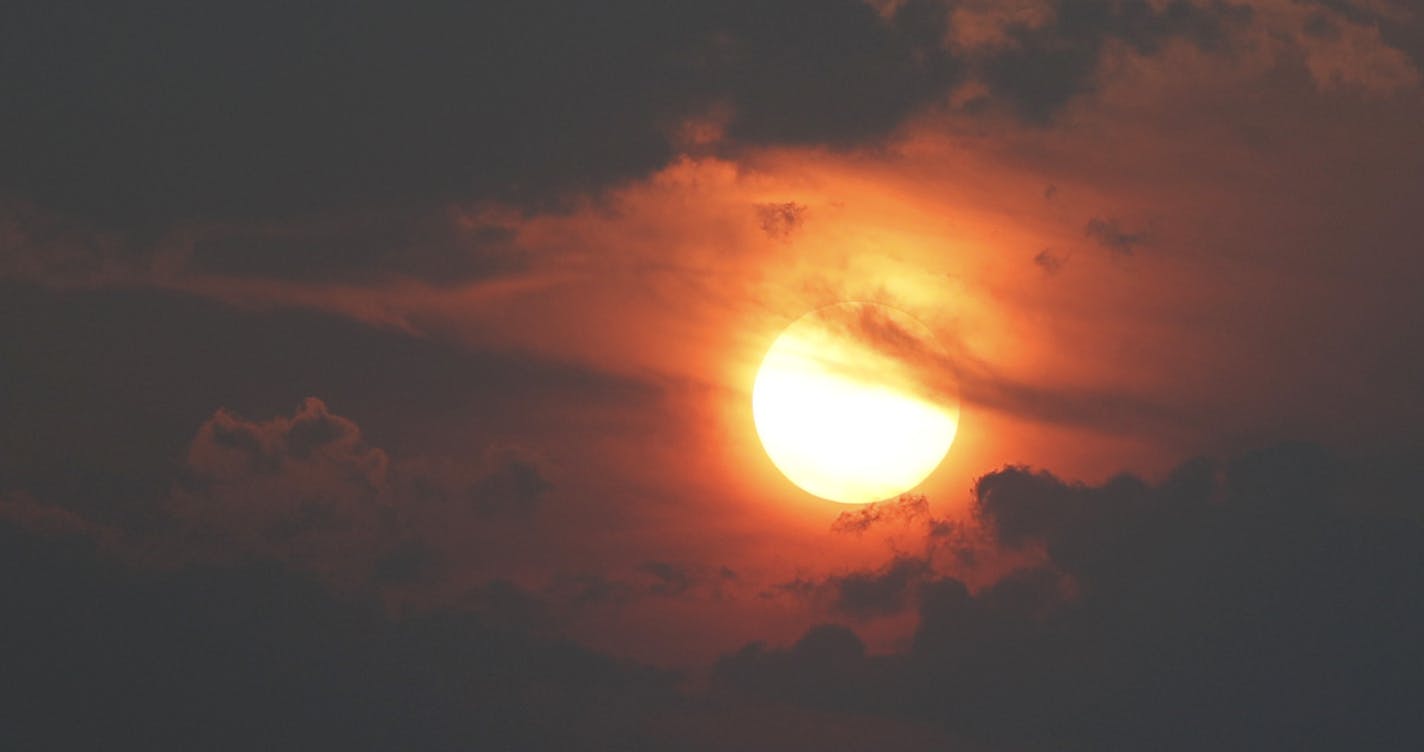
{"x":1050,"y":262}
{"x":780,"y":220}
{"x":305,"y":489}
{"x":312,"y":447}
{"x":308,"y":490}
{"x":1110,"y":235}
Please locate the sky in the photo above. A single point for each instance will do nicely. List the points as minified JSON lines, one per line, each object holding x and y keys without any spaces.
{"x":379,"y":377}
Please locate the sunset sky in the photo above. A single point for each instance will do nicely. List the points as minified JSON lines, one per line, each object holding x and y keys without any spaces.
{"x":379,"y":376}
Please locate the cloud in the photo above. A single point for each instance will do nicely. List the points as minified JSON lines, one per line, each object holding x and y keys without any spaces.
{"x":514,"y":482}
{"x":312,"y":445}
{"x":1036,"y":57}
{"x":1358,"y":46}
{"x":1108,"y":234}
{"x":57,"y":525}
{"x":309,"y":491}
{"x":1249,"y":594}
{"x":947,"y":369}
{"x":669,"y":579}
{"x":456,"y":103}
{"x":1050,"y":262}
{"x":905,"y":509}
{"x":406,"y":562}
{"x":865,"y":595}
{"x":436,"y":247}
{"x":826,"y":669}
{"x":188,"y":659}
{"x":1250,"y":591}
{"x":780,"y":221}
{"x":446,"y":102}
{"x":305,"y":489}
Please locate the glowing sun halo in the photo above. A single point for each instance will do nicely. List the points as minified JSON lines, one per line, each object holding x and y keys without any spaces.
{"x":852,"y":404}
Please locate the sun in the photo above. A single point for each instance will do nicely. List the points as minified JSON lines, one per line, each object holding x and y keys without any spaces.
{"x":855,"y":403}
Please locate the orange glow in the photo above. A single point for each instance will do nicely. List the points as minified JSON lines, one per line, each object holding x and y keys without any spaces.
{"x":846,"y":419}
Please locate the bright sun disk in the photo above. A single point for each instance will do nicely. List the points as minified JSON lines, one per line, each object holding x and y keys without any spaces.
{"x":842,"y":404}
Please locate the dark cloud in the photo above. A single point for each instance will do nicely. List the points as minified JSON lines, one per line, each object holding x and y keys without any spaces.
{"x":1102,"y":410}
{"x":1320,"y":26}
{"x":1405,"y":33}
{"x":507,"y":605}
{"x":254,"y":657}
{"x":514,"y":482}
{"x":407,"y":561}
{"x":1046,"y":66}
{"x":884,"y":592}
{"x":827,"y":669}
{"x":312,"y":444}
{"x":865,"y":594}
{"x":306,"y":490}
{"x":1248,"y":594}
{"x":904,"y":509}
{"x":327,"y":143}
{"x":1241,"y":605}
{"x":668,"y":579}
{"x":103,"y":391}
{"x":837,"y":73}
{"x":262,"y":111}
{"x":1110,"y":235}
{"x":947,"y":368}
{"x":268,"y":109}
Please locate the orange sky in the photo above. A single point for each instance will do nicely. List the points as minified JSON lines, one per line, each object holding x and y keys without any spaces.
{"x":1202,"y":242}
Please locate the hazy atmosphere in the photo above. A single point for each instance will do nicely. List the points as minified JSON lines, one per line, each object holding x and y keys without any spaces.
{"x":380,"y":376}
